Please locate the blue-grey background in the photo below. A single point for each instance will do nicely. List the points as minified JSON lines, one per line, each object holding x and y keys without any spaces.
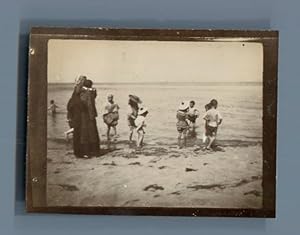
{"x":16,"y":18}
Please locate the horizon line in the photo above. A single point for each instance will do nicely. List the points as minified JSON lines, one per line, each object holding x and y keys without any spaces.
{"x":165,"y":82}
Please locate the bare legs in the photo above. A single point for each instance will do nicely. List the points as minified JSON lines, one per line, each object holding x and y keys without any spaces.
{"x":180,"y":135}
{"x":140,"y":138}
{"x":115,"y":130}
{"x":108,"y":131}
{"x":211,"y":134}
{"x":193,"y":126}
{"x":131,"y":134}
{"x":211,"y":141}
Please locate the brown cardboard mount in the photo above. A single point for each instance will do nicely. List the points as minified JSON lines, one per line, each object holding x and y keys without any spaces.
{"x":36,"y":164}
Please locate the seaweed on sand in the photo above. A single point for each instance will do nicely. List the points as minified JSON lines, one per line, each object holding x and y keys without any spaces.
{"x":207,"y":186}
{"x":153,"y":187}
{"x":69,"y":187}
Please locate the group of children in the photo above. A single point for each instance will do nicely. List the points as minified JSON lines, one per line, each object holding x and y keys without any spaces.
{"x":136,"y":118}
{"x":186,"y":119}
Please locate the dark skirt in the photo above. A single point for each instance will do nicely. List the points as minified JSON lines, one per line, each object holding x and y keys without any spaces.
{"x":75,"y":123}
{"x":84,"y":145}
{"x":86,"y":139}
{"x":89,"y":136}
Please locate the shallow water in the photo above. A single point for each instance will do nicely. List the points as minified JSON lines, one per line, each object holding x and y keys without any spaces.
{"x":239,"y":104}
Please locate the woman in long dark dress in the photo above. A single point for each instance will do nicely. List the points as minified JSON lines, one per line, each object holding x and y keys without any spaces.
{"x":89,"y":132}
{"x":74,"y":108}
{"x":78,"y":112}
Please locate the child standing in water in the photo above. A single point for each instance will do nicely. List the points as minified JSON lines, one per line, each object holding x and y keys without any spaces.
{"x":204,"y":137}
{"x":193,"y":114}
{"x":213,"y":119}
{"x":140,"y":125}
{"x":111,"y":116}
{"x":52,"y":107}
{"x":182,"y":124}
{"x":133,"y":103}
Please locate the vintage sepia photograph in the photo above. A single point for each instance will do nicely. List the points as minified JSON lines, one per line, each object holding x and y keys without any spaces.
{"x":152,"y":122}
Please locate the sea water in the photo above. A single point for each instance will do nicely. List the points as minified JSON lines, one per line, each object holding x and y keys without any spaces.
{"x":240,"y":104}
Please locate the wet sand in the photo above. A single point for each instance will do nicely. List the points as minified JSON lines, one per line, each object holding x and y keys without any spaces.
{"x":159,"y":175}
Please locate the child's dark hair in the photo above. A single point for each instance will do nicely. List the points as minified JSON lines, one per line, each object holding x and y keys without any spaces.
{"x":214,"y":103}
{"x":192,"y":102}
{"x":145,"y":113}
{"x":207,"y":107}
{"x":88,"y":83}
{"x":51,"y":101}
{"x":133,"y":104}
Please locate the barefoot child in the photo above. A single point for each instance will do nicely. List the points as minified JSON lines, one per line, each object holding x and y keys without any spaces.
{"x":111,"y":116}
{"x":133,"y":103}
{"x":214,"y":119}
{"x":140,"y":125}
{"x":182,"y":124}
{"x":204,"y":138}
{"x":193,"y":114}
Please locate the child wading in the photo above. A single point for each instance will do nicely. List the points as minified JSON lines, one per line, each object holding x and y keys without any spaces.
{"x":182,"y":124}
{"x":213,"y":119}
{"x":140,"y":125}
{"x":52,"y":107}
{"x":133,"y":103}
{"x":193,"y":114}
{"x":204,"y":137}
{"x":111,"y":116}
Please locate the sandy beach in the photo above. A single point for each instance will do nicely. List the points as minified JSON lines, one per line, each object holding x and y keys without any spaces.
{"x":162,"y":175}
{"x":158,"y":175}
{"x":163,"y":75}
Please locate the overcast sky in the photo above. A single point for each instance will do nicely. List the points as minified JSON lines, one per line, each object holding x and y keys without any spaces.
{"x":154,"y":61}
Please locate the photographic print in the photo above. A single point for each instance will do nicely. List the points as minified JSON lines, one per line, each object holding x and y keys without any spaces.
{"x":153,"y":123}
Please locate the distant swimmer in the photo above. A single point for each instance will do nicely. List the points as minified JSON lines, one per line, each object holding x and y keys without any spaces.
{"x":52,"y":107}
{"x":213,"y":119}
